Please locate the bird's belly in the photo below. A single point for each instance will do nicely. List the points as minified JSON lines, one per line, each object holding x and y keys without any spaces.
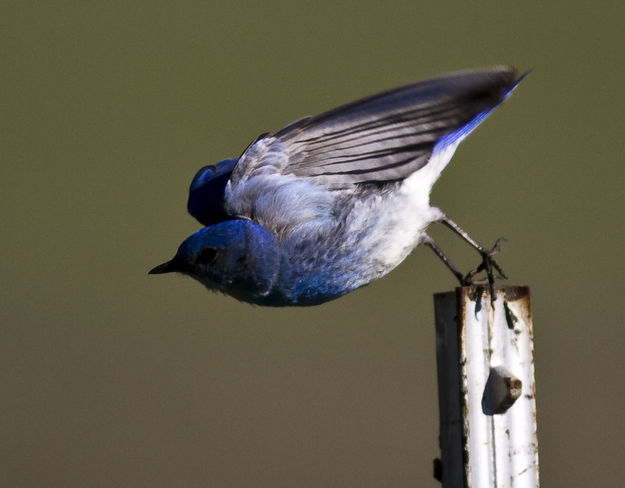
{"x":396,"y":225}
{"x":373,"y":234}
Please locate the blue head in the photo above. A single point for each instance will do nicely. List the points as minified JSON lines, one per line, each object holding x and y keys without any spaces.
{"x":237,"y":257}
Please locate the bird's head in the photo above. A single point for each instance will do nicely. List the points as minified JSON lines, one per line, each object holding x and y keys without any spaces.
{"x":237,"y":257}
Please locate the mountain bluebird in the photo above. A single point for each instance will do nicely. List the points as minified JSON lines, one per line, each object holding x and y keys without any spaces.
{"x":332,"y":202}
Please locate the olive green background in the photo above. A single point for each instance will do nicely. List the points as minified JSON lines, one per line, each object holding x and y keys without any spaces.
{"x":113,"y":378}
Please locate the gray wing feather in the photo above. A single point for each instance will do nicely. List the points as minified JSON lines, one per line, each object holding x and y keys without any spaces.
{"x":281,"y":180}
{"x":390,"y":135}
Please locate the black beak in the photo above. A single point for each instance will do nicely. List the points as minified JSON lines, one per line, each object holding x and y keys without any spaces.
{"x":168,"y":267}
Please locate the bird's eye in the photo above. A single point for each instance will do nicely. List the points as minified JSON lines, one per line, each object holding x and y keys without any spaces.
{"x":207,"y":256}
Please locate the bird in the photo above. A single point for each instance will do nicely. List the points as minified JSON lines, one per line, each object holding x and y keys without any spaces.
{"x":332,"y":202}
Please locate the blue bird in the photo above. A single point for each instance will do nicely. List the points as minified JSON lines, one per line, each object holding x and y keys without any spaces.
{"x":332,"y":202}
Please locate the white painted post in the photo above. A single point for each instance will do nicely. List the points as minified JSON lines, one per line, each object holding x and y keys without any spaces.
{"x":486,"y":388}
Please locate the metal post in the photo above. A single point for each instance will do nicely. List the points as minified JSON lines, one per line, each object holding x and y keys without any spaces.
{"x":486,"y":388}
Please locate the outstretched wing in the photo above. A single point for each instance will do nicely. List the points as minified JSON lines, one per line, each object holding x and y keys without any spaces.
{"x":282,"y":181}
{"x":390,"y":135}
{"x":384,"y":137}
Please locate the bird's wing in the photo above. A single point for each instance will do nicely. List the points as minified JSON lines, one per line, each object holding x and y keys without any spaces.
{"x":282,"y":181}
{"x":206,"y":193}
{"x":383,"y":137}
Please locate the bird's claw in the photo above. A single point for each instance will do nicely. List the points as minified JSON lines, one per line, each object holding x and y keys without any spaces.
{"x":489,"y":265}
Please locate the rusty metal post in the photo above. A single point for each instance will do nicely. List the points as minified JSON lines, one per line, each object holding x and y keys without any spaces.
{"x":486,"y":388}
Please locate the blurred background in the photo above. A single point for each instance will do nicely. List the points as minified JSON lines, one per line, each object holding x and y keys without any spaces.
{"x":113,"y":378}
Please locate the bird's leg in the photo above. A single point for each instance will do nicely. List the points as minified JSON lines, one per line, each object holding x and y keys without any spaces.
{"x":488,"y":264}
{"x":428,"y":241}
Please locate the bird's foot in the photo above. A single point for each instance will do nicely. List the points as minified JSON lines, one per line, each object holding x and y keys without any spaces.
{"x":489,"y":265}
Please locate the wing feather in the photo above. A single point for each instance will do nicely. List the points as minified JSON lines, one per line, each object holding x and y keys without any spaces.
{"x":390,"y":135}
{"x":282,"y":180}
